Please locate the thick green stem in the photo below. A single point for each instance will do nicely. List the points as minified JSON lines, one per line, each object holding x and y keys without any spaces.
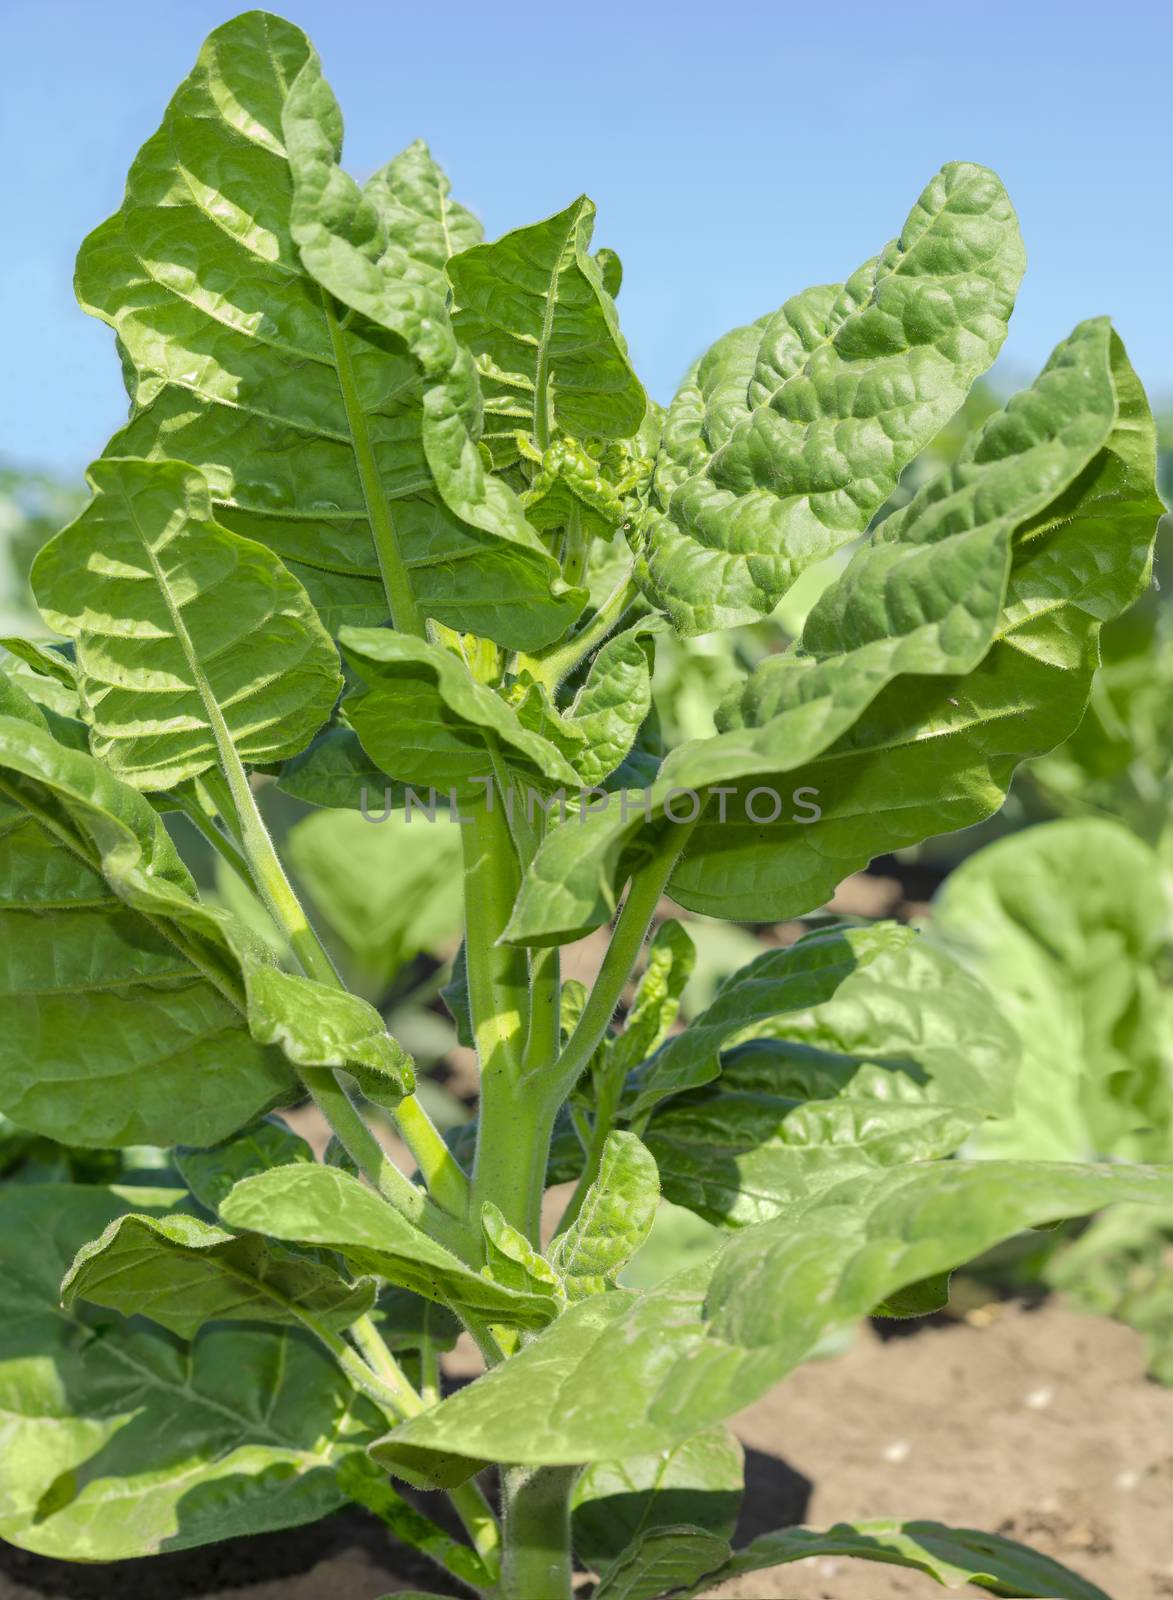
{"x":498,"y":975}
{"x":514,"y":1128}
{"x":541,"y":1047}
{"x":513,"y":1146}
{"x":536,"y":1562}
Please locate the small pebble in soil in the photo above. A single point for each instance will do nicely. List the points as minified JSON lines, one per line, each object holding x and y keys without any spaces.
{"x":1040,"y":1399}
{"x":896,"y":1452}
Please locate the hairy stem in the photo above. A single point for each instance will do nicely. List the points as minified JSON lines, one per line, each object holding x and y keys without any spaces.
{"x":536,"y":1506}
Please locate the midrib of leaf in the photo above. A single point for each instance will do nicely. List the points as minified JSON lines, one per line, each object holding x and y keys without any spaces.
{"x":405,"y":614}
{"x":542,"y":372}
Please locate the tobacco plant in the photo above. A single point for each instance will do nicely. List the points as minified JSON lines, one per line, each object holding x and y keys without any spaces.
{"x":393,"y":522}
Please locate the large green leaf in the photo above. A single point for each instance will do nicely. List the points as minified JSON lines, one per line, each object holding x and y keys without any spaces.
{"x":189,"y":637}
{"x":957,"y":644}
{"x":954,"y":1557}
{"x":698,"y":1484}
{"x":122,"y":1002}
{"x":533,"y":310}
{"x":789,"y":435}
{"x":323,"y":1206}
{"x":1067,"y":923}
{"x":306,"y":418}
{"x":615,"y":1219}
{"x":426,"y":721}
{"x":645,"y":1371}
{"x":854,"y":1049}
{"x":119,"y":1441}
{"x":183,"y":1273}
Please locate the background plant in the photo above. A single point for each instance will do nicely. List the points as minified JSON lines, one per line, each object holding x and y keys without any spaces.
{"x":347,"y":412}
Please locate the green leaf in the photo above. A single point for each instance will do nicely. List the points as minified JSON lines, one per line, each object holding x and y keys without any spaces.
{"x":457,"y":1003}
{"x":407,"y":1321}
{"x":120,"y":1442}
{"x":1067,"y":923}
{"x":189,"y":637}
{"x":610,"y":270}
{"x":183,"y":1273}
{"x":121,"y":999}
{"x":412,"y":196}
{"x":513,"y":1261}
{"x":343,"y":244}
{"x":570,"y":485}
{"x":613,"y":703}
{"x":317,"y":1025}
{"x":853,"y":1049}
{"x":335,"y":771}
{"x":323,"y":1206}
{"x":662,"y":1560}
{"x":960,"y":642}
{"x":26,"y":680}
{"x":210,"y":1174}
{"x":308,"y":422}
{"x":533,"y":310}
{"x":44,"y":660}
{"x":696,"y":1484}
{"x":757,"y":1002}
{"x":789,"y":435}
{"x":616,"y":1217}
{"x":671,"y":958}
{"x":954,"y":1557}
{"x":649,"y":1370}
{"x":388,"y":889}
{"x":424,"y":720}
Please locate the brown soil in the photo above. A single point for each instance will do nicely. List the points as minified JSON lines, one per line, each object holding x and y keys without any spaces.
{"x":1039,"y":1424}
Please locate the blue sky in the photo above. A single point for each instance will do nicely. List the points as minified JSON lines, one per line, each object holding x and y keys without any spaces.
{"x":737,"y":153}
